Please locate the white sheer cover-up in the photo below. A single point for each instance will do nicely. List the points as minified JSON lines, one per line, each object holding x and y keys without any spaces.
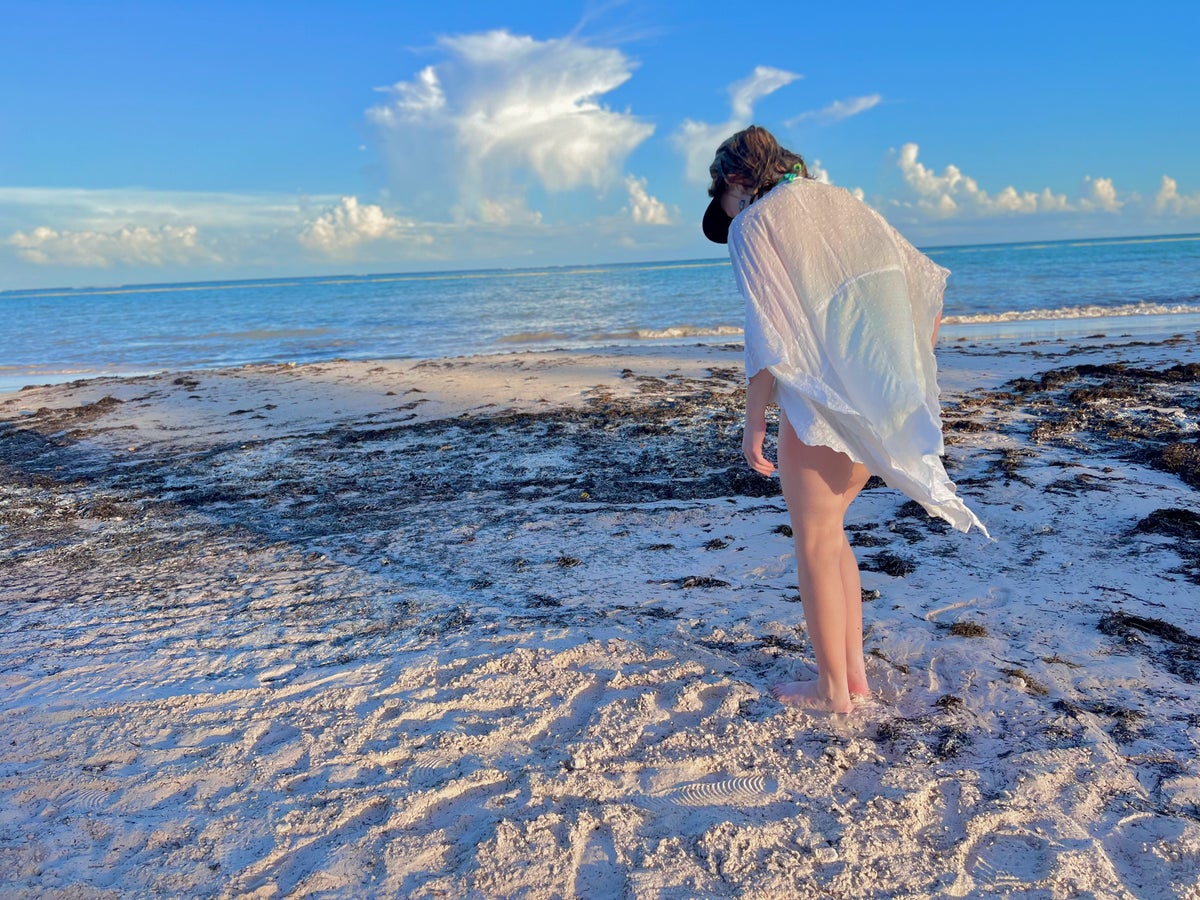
{"x":841,"y":309}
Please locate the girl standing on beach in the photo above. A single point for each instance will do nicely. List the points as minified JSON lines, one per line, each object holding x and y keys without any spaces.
{"x":841,"y":317}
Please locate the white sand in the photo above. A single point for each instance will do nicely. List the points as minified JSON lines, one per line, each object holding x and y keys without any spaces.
{"x":312,"y":689}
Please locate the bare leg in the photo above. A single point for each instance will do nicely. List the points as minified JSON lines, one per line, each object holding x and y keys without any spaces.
{"x":818,"y":486}
{"x":856,"y":669}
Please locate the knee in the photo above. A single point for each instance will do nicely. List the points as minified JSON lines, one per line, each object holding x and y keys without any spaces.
{"x":819,"y":539}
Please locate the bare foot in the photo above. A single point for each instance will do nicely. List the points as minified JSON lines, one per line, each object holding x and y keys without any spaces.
{"x":806,"y":695}
{"x":857,"y":681}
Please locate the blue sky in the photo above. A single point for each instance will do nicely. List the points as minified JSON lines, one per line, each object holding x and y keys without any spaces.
{"x":166,"y":141}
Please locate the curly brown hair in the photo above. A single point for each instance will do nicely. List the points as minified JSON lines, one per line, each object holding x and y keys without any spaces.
{"x":753,"y":158}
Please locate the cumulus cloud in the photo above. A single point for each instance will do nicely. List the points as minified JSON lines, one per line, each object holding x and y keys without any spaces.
{"x":839,"y":109}
{"x":504,"y":112}
{"x":1168,"y":199}
{"x":817,"y":171}
{"x":697,"y":141}
{"x":341,"y":229}
{"x":954,"y":193}
{"x":139,"y":245}
{"x":645,"y":209}
{"x":1099,"y":194}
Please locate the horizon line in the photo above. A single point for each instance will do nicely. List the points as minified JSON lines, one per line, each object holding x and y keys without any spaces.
{"x":151,"y":287}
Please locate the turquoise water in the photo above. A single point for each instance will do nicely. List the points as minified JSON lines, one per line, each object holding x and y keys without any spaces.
{"x":1033,"y":279}
{"x":1028,"y":289}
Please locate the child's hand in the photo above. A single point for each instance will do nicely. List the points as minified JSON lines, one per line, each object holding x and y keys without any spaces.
{"x":752,"y":444}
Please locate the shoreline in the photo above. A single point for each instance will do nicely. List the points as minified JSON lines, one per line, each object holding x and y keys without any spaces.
{"x":506,"y":625}
{"x":1005,"y":328}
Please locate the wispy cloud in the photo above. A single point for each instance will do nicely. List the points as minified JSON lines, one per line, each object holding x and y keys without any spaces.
{"x":111,"y":208}
{"x":764,"y":80}
{"x":698,"y":141}
{"x":507,"y":210}
{"x":502,"y":113}
{"x":838,"y":110}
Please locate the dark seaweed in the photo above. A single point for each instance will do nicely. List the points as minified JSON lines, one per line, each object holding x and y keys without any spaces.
{"x":1182,"y":655}
{"x":889,"y":564}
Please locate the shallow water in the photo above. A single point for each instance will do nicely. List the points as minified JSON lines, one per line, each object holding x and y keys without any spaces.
{"x":1019,"y":290}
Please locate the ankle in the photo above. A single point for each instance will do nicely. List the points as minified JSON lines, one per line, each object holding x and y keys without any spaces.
{"x":835,"y":691}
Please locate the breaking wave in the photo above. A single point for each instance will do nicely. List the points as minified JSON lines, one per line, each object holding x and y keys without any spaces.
{"x":677,"y":331}
{"x":1063,"y":313}
{"x":633,"y":334}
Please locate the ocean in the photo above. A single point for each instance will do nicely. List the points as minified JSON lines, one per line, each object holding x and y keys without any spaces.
{"x":996,"y":291}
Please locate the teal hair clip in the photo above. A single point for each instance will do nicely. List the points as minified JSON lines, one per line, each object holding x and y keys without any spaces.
{"x":797,"y":171}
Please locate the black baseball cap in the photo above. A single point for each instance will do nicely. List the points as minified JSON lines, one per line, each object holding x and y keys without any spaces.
{"x":716,"y":222}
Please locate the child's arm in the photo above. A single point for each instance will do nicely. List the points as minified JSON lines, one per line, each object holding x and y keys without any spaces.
{"x":758,"y":395}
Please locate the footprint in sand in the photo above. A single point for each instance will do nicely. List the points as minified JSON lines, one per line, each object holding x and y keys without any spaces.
{"x":749,"y":790}
{"x":1011,"y":859}
{"x":93,"y":798}
{"x":435,"y":762}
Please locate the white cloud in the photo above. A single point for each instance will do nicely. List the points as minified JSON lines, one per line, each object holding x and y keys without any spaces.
{"x":134,"y":246}
{"x":89,"y":209}
{"x":839,"y":109}
{"x":414,"y":100}
{"x":951,"y":202}
{"x":762,"y":81}
{"x":698,"y":141}
{"x":507,"y":211}
{"x":501,"y":113}
{"x":1099,"y":194}
{"x":954,"y":193}
{"x":817,"y":171}
{"x":341,"y":229}
{"x":1168,"y":199}
{"x":645,"y":209}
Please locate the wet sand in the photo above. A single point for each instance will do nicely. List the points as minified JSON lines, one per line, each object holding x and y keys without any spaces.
{"x":506,"y":626}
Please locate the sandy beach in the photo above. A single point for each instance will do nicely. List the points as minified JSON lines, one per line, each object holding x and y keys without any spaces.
{"x":505,"y":626}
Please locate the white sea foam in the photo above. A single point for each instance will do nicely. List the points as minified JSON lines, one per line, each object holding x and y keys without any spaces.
{"x":630,"y":335}
{"x":675,"y":331}
{"x":1075,"y":312}
{"x":1030,"y":319}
